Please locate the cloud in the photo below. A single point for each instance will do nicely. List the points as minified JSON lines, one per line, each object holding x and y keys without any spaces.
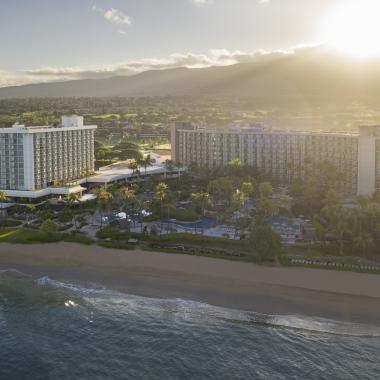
{"x":117,"y":17}
{"x":201,"y":3}
{"x":114,"y":16}
{"x":215,"y":57}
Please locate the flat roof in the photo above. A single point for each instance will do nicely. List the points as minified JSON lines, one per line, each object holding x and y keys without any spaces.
{"x":109,"y":174}
{"x":270,"y":132}
{"x":22,"y":129}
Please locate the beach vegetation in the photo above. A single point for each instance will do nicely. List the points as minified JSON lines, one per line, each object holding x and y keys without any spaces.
{"x":112,"y":233}
{"x":265,"y":243}
{"x":116,"y":245}
{"x":9,"y":223}
{"x":24,"y":236}
{"x":78,"y":238}
{"x":49,"y":226}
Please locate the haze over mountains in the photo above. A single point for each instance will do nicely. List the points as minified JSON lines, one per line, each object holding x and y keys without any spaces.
{"x":315,"y":75}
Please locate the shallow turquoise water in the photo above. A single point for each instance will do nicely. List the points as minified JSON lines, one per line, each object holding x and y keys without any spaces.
{"x":52,"y":330}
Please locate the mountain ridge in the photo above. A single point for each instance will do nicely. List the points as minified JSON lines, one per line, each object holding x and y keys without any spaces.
{"x":292,"y":77}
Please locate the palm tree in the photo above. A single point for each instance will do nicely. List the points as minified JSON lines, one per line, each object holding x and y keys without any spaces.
{"x":265,"y":189}
{"x":161,"y":193}
{"x":125,"y":194}
{"x":86,"y":172}
{"x":169,"y":166}
{"x":234,"y":170}
{"x":247,"y":190}
{"x":133,"y":165}
{"x":363,"y":240}
{"x":201,"y":197}
{"x":105,"y":198}
{"x":72,"y":198}
{"x":146,"y":161}
{"x":238,"y":199}
{"x":3,"y":199}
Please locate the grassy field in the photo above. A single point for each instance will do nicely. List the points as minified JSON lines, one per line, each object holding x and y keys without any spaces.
{"x":28,"y":236}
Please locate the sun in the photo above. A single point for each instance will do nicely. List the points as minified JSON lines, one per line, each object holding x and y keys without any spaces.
{"x":353,"y":27}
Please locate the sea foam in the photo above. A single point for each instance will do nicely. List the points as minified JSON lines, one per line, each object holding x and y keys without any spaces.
{"x":192,"y":310}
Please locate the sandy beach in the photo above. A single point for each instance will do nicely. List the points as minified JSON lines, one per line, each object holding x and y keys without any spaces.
{"x":274,"y":290}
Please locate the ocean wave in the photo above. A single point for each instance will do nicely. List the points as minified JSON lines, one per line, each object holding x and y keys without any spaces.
{"x":189,"y":309}
{"x":47,"y":281}
{"x":322,"y":325}
{"x":13,"y":272}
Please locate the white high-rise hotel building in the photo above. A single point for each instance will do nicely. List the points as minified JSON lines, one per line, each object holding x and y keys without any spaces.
{"x":38,"y":161}
{"x":283,"y":154}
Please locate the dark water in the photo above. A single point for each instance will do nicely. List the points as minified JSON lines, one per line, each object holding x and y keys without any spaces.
{"x":50,"y":330}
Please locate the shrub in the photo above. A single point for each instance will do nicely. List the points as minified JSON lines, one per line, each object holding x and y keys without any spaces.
{"x":110,"y":232}
{"x":116,"y":245}
{"x":49,"y":226}
{"x":77,"y":238}
{"x":23,"y":236}
{"x":9,"y":223}
{"x":183,"y":238}
{"x":265,"y":242}
{"x":185,"y":215}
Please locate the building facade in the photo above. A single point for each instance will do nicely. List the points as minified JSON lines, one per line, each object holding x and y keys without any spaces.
{"x":36,"y":158}
{"x":285,"y":155}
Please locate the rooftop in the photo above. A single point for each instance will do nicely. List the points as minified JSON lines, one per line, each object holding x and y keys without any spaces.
{"x":67,"y":123}
{"x":262,"y":130}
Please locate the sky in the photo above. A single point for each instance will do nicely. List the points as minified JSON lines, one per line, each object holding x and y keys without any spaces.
{"x":44,"y":40}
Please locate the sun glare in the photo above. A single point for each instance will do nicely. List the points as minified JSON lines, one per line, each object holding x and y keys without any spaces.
{"x":353,"y":27}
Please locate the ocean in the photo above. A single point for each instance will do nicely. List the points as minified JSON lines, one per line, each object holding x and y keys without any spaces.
{"x":54,"y":330}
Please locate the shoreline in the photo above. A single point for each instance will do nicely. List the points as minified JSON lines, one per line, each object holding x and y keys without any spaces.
{"x":342,"y":296}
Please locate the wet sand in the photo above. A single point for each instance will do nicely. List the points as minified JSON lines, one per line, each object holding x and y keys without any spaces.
{"x":343,"y":296}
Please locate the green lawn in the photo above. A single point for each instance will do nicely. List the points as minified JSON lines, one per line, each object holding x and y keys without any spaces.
{"x":23,"y":236}
{"x":108,"y":116}
{"x":27,"y":236}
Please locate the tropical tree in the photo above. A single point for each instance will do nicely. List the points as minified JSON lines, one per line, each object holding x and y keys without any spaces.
{"x":238,"y":199}
{"x":86,"y":172}
{"x":234,"y":170}
{"x":133,"y":165}
{"x":266,"y":208}
{"x":201,"y":198}
{"x":265,"y":243}
{"x":265,"y":189}
{"x":3,"y":199}
{"x":125,"y":194}
{"x":332,"y":207}
{"x":221,"y":188}
{"x":49,"y":226}
{"x":169,"y":165}
{"x":65,"y":215}
{"x":104,"y":198}
{"x":126,"y":150}
{"x":363,"y":241}
{"x":146,"y":161}
{"x":160,"y":194}
{"x":73,"y":198}
{"x":247,"y":189}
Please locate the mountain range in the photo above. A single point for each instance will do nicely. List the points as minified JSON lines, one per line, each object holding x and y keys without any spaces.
{"x":313,"y":76}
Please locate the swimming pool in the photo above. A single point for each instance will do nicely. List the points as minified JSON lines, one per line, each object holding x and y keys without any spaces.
{"x":203,"y":223}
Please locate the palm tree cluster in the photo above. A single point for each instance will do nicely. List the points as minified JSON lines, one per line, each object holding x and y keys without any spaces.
{"x":356,"y":230}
